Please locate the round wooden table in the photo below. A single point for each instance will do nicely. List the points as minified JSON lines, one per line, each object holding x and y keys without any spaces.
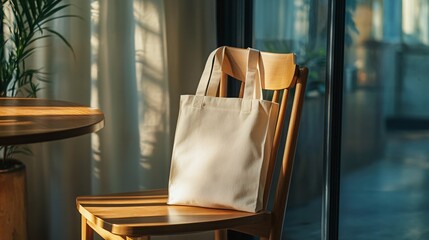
{"x":30,"y":120}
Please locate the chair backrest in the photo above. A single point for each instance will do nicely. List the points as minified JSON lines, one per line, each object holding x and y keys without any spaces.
{"x":279,"y":73}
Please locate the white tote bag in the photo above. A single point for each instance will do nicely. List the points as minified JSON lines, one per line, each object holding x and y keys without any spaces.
{"x":222,"y":145}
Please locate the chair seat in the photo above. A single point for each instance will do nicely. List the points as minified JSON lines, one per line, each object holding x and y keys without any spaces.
{"x":147,"y":213}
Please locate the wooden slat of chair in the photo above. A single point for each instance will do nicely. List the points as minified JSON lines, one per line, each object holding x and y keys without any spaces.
{"x":121,"y":214}
{"x":139,"y":215}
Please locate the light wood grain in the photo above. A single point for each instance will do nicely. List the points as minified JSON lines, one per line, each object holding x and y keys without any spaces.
{"x":29,"y":120}
{"x":147,"y":213}
{"x":274,"y":76}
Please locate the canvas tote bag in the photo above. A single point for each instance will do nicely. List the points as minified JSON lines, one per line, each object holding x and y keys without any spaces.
{"x":222,"y":145}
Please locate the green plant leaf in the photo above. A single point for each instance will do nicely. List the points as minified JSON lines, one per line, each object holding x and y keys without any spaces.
{"x":62,"y":38}
{"x":29,"y":19}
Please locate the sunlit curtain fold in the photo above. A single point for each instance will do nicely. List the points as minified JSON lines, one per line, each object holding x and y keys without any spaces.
{"x":115,"y":76}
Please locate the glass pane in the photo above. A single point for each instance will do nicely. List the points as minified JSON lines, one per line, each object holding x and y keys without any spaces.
{"x":385,"y":142}
{"x":300,"y":26}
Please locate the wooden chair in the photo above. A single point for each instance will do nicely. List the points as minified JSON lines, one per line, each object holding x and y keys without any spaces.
{"x":143,"y":214}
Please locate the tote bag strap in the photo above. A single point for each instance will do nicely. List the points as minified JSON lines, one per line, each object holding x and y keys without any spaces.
{"x":252,"y":86}
{"x":212,"y":73}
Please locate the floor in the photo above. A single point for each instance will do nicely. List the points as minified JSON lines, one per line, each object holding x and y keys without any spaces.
{"x":388,"y":199}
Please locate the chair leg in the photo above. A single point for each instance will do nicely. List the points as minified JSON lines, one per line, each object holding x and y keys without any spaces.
{"x":220,"y":234}
{"x":87,"y":231}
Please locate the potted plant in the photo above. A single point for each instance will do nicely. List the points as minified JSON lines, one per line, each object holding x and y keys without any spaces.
{"x":22,"y":24}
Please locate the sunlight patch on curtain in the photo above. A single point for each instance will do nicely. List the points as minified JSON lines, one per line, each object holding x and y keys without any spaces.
{"x":95,"y":140}
{"x":130,"y":84}
{"x":152,"y":84}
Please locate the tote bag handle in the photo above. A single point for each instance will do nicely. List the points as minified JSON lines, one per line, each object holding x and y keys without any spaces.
{"x":210,"y":79}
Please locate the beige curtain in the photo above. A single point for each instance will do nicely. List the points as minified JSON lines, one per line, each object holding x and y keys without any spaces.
{"x":132,"y":59}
